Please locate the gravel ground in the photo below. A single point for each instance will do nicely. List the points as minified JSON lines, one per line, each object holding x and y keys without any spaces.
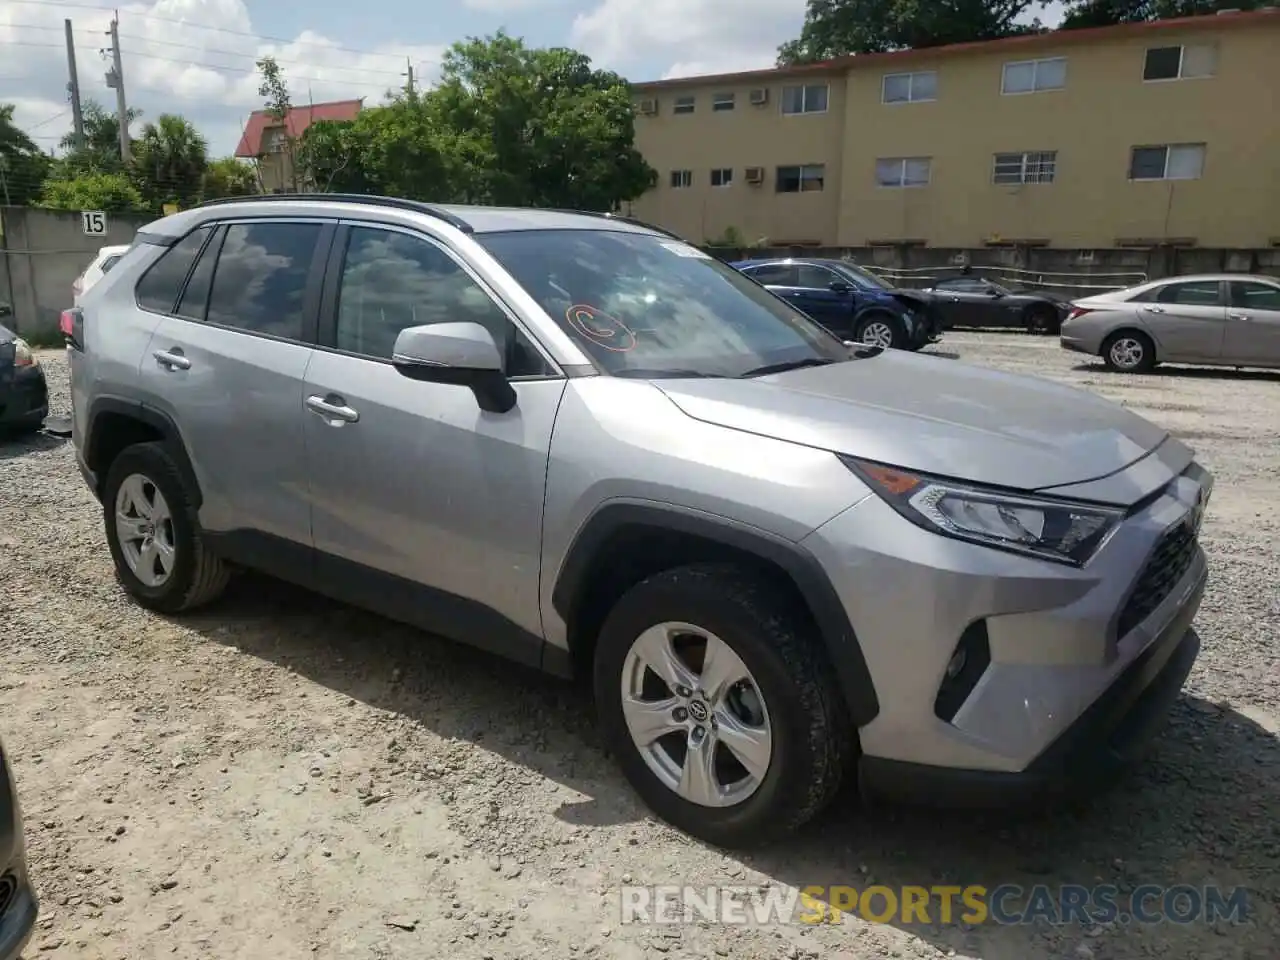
{"x":283,"y":777}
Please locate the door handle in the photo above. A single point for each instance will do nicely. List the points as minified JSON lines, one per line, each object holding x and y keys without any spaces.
{"x":173,"y":360}
{"x":337,"y":413}
{"x":1155,"y":309}
{"x":1239,"y":316}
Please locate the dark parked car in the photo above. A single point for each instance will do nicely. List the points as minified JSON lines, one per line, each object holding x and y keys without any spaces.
{"x":24,"y":398}
{"x":849,"y":301}
{"x":18,"y":906}
{"x":974,"y":302}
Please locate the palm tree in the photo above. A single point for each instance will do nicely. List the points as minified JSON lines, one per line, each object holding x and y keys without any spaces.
{"x":23,"y":165}
{"x":170,"y":160}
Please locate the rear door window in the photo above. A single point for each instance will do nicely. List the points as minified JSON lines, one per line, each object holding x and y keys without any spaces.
{"x":260,"y":283}
{"x":774,"y":275}
{"x":160,"y":286}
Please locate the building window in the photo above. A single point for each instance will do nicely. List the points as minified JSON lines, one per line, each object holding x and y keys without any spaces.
{"x":1179,"y":161}
{"x":1034,"y":167}
{"x":722,"y":177}
{"x":681,"y":178}
{"x":903,"y":171}
{"x":801,"y":179}
{"x":1180,"y":63}
{"x":909,"y":87}
{"x":683,"y":105}
{"x":1034,"y":76}
{"x":721,"y":102}
{"x":810,"y":99}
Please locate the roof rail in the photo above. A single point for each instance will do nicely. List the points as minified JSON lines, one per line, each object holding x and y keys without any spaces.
{"x":621,"y":219}
{"x":399,"y":203}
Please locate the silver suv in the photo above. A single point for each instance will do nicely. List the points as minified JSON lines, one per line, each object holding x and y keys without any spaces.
{"x":581,"y":443}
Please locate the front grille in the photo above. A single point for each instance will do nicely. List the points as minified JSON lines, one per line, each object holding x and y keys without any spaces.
{"x":1167,"y":565}
{"x":8,"y":887}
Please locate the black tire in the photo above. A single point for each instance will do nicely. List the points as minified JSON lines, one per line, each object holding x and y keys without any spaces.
{"x":894,"y":324}
{"x":1141,"y":350}
{"x":198,"y":575}
{"x":813,"y":739}
{"x":1043,"y":321}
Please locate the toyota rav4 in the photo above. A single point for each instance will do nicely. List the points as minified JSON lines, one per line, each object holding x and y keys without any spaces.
{"x":579,"y":442}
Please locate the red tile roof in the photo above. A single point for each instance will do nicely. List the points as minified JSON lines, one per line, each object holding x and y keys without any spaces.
{"x":1049,"y":38}
{"x":296,"y":122}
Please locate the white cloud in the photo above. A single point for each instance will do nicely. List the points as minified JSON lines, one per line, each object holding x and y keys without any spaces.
{"x":193,"y":57}
{"x":687,"y":36}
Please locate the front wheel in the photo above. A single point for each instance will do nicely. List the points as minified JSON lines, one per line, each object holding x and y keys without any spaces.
{"x":881,"y":330}
{"x":718,"y":706}
{"x":1043,"y":321}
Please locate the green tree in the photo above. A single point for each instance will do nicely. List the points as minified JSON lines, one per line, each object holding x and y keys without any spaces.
{"x":274,"y":90}
{"x":170,"y":159}
{"x":112,"y":192}
{"x":1105,"y":13}
{"x":100,"y":151}
{"x":835,"y":28}
{"x":228,"y":177}
{"x":23,"y":165}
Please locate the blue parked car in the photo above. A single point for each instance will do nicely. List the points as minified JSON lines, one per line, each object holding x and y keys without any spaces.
{"x":851,"y":302}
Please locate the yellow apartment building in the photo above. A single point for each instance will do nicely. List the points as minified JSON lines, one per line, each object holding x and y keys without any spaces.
{"x":1135,"y":135}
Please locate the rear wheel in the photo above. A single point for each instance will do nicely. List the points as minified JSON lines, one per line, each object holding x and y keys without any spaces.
{"x":718,"y":706}
{"x":881,"y":330}
{"x":1129,"y":351}
{"x":160,"y":557}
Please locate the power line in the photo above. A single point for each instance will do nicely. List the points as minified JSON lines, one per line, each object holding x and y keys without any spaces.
{"x":247,"y":71}
{"x":201,"y":26}
{"x":250,"y":56}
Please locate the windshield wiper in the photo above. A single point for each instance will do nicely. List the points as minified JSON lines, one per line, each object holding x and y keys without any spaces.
{"x":647,"y":373}
{"x":788,"y":365}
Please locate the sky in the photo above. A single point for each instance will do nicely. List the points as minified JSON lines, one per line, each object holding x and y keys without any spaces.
{"x":196,"y":57}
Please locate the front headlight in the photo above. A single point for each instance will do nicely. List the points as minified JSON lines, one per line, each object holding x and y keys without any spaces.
{"x":22,"y":355}
{"x":1050,"y":529}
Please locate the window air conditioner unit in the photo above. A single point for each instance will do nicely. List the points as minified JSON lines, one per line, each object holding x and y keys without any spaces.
{"x":755,"y":174}
{"x":648,"y":107}
{"x":759,"y":96}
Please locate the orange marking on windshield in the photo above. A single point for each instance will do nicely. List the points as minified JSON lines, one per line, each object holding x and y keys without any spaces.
{"x":600,"y":328}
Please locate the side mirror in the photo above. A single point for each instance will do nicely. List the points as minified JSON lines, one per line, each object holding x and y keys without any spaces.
{"x":839,"y":286}
{"x":462,"y":354}
{"x":994,"y":294}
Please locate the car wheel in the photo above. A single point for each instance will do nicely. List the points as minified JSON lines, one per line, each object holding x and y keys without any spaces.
{"x":1129,"y":351}
{"x":718,"y":706}
{"x":881,"y":330}
{"x":1043,"y":321}
{"x":160,"y":556}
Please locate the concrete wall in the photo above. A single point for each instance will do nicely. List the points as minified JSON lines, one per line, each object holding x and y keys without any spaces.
{"x":41,"y":254}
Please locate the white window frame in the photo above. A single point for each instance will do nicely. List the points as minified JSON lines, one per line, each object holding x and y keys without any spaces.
{"x":1168,"y":155}
{"x":902,"y":162}
{"x":727,"y":181}
{"x":724,"y":102}
{"x":684,"y":105}
{"x":1035,"y":74}
{"x":804,"y":96}
{"x":911,"y":87}
{"x":1182,"y":63}
{"x":686,"y":179}
{"x":1026,"y":162}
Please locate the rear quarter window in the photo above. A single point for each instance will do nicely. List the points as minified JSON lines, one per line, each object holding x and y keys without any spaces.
{"x":159,"y":287}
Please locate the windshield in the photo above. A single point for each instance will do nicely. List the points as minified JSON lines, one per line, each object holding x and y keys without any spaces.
{"x":863,"y":277}
{"x":644,"y":305}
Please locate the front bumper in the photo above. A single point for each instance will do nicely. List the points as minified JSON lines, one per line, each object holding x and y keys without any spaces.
{"x":1067,"y":669}
{"x":25,"y":400}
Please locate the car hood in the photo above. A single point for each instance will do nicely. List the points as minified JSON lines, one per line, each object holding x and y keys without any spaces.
{"x":934,"y":415}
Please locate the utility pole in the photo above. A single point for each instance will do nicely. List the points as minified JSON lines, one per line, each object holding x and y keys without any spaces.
{"x":115,"y":80}
{"x":409,"y":86}
{"x":73,"y":87}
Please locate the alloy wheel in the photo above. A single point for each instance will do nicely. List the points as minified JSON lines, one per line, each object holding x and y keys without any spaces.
{"x":1127,"y":353}
{"x":877,"y":333}
{"x":696,"y":714}
{"x":144,"y":530}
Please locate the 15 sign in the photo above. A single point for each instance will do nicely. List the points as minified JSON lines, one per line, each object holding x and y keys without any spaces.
{"x":94,"y":223}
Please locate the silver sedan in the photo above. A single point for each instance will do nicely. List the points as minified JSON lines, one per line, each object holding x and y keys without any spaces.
{"x":1230,"y":320}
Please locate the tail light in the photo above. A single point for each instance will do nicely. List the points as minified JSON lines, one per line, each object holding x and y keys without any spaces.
{"x":71,"y":324}
{"x":1078,"y":312}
